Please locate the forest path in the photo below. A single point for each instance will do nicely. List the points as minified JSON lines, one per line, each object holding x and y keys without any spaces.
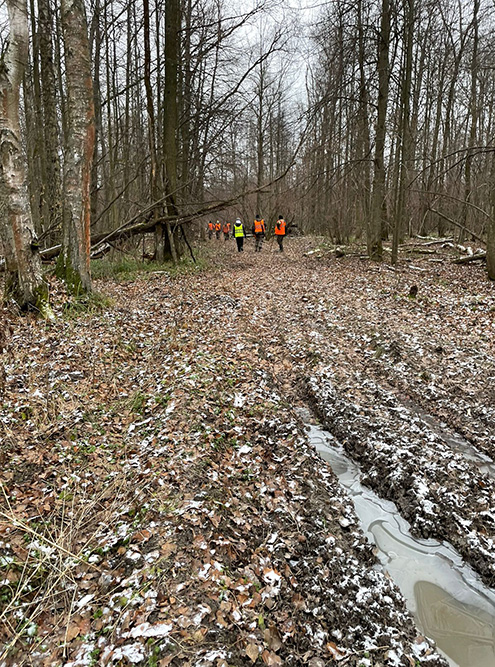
{"x":396,"y":379}
{"x":161,"y":500}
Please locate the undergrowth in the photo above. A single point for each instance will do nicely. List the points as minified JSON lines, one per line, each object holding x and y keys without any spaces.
{"x":127,"y":268}
{"x":91,"y":303}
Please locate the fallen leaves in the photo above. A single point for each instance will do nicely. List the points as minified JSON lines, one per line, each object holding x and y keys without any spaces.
{"x":173,"y":463}
{"x":252,"y":652}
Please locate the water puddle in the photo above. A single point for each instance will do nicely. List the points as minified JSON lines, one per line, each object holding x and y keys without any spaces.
{"x":450,"y":603}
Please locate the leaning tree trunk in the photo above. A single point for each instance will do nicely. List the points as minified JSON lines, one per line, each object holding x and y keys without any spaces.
{"x":73,"y":265}
{"x":24,"y":277}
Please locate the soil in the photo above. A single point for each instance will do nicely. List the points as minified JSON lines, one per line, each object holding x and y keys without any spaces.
{"x":161,"y":503}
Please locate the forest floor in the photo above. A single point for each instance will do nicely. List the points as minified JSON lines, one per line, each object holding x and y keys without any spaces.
{"x":161,"y":504}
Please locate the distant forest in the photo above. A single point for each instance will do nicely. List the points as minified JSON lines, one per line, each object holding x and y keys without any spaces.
{"x":368,"y":120}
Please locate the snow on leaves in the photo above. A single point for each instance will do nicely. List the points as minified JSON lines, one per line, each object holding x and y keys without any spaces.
{"x":155,"y":469}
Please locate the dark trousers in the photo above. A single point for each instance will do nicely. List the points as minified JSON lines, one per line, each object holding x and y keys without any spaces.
{"x":226,"y":236}
{"x":258,"y":242}
{"x":240,"y":243}
{"x":280,"y":241}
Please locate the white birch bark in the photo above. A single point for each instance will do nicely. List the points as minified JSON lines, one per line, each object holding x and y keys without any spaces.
{"x":24,"y":276}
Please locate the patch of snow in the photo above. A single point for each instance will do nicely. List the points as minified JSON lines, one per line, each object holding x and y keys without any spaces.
{"x":148,"y":630}
{"x":134,"y":653}
{"x":84,"y":601}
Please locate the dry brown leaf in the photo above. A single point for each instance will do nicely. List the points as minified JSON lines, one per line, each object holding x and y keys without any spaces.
{"x":252,"y":651}
{"x":141,"y":536}
{"x":272,"y":638}
{"x":72,"y":631}
{"x":298,"y":601}
{"x":335,"y":651}
{"x":168,"y":548}
{"x":270,"y":658}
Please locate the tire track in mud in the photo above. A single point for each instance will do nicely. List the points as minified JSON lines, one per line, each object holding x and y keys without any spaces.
{"x":440,"y":492}
{"x":329,"y":342}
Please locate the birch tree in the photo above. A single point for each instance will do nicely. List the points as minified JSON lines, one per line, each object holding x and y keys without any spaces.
{"x":24,"y":277}
{"x":73,"y":265}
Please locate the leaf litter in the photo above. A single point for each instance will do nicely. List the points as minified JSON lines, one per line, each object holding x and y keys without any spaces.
{"x":160,"y":501}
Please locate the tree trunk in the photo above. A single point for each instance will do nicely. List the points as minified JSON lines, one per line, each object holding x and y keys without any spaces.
{"x":172,"y":27}
{"x":405,"y":129}
{"x":375,"y":249}
{"x":52,"y":204}
{"x":490,"y":241}
{"x":364,"y":128}
{"x":473,"y":113}
{"x":24,"y":277}
{"x":159,"y":249}
{"x":73,"y":265}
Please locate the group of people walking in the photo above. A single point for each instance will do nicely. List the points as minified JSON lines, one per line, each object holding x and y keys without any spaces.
{"x":216,"y":228}
{"x":239,"y":232}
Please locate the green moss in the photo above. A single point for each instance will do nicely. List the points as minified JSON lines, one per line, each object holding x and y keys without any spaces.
{"x":88,"y":303}
{"x":42,"y":304}
{"x":66,"y":272}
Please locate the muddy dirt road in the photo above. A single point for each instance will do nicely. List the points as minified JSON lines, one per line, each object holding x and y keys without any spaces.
{"x":162,"y":504}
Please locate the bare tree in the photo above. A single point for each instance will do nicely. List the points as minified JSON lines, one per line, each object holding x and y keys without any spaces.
{"x":375,"y":249}
{"x":51,"y":202}
{"x":404,"y":127}
{"x":172,"y":28}
{"x":73,"y":265}
{"x":24,"y":277}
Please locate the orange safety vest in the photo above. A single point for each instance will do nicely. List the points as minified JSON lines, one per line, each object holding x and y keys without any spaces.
{"x":280,"y":228}
{"x":226,"y":228}
{"x":218,"y":227}
{"x":210,"y":226}
{"x":259,"y":226}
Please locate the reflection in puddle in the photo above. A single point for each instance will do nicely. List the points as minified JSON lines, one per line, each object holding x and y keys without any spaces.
{"x":450,"y":603}
{"x":458,"y":629}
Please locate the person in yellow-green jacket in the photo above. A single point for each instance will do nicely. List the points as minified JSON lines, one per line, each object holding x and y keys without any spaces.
{"x":239,"y":234}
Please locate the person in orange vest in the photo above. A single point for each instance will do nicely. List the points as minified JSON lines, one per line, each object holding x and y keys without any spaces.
{"x":280,"y":232}
{"x":218,"y":228}
{"x":211,"y":226}
{"x":226,"y":230}
{"x":259,"y":231}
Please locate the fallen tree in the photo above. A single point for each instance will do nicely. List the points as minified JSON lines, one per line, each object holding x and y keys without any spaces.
{"x":471,"y":258}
